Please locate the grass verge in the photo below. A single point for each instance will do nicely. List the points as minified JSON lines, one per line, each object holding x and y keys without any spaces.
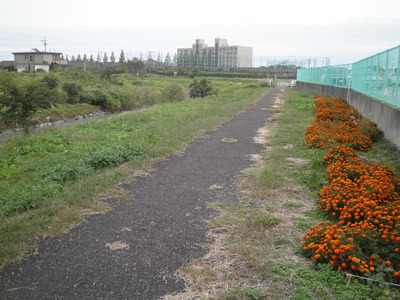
{"x":257,"y":249}
{"x":51,"y":180}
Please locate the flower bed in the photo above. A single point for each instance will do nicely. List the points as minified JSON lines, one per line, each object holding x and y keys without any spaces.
{"x":362,"y":198}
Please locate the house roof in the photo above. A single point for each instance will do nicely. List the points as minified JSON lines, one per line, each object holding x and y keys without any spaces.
{"x":35,"y":52}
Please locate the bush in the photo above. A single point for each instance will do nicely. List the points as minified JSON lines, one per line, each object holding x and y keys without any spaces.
{"x":50,"y":81}
{"x":200,"y":89}
{"x":19,"y":100}
{"x":146,"y":96}
{"x":173,"y":92}
{"x":73,"y":91}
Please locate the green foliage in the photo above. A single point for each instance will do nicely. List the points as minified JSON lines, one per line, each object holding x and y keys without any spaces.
{"x":194,"y":73}
{"x":113,"y":154}
{"x":107,"y":72}
{"x":10,"y":68}
{"x":73,"y":91}
{"x":173,"y":92}
{"x":200,"y":88}
{"x":50,"y":81}
{"x":19,"y":100}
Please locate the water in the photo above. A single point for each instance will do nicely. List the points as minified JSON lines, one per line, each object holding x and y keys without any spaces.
{"x":10,"y":134}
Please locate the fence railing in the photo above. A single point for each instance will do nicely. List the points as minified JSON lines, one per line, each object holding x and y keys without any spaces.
{"x":376,"y":76}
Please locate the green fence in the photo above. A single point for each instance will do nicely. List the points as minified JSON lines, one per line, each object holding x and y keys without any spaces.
{"x":376,"y":76}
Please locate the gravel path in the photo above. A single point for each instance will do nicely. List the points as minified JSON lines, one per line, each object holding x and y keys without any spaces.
{"x":133,"y":251}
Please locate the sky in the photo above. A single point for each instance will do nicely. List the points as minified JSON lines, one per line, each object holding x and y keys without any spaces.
{"x":345,"y":31}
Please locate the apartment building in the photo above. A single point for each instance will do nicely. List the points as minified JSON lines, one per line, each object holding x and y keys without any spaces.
{"x":221,"y":55}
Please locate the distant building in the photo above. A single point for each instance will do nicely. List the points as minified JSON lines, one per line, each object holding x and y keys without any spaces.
{"x":32,"y":61}
{"x":220,"y":56}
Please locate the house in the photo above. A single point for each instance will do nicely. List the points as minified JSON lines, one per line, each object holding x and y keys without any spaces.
{"x":33,"y":61}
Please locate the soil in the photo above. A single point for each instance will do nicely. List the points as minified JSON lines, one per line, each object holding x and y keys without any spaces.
{"x":133,"y":251}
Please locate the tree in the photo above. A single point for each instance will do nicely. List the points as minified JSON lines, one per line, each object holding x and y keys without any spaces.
{"x":10,"y":69}
{"x":98,"y":59}
{"x":19,"y":100}
{"x":167,"y":61}
{"x":122,"y":57}
{"x":91,"y":58}
{"x":84,"y":57}
{"x":78,"y":58}
{"x":112,"y":57}
{"x":174,"y":60}
{"x":136,"y":66}
{"x":105,"y":57}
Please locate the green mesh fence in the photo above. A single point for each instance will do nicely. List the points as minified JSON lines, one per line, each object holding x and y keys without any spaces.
{"x":376,"y":76}
{"x":338,"y":75}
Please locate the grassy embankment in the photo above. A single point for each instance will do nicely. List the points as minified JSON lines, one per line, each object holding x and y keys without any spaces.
{"x":257,"y":251}
{"x":50,"y":180}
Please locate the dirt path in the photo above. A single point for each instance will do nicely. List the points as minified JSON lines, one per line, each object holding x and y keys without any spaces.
{"x":133,"y":251}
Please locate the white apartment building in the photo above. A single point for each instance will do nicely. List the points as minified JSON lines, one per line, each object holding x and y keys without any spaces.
{"x":220,"y":56}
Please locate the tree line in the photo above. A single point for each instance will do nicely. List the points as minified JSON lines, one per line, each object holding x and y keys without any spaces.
{"x":104,"y":58}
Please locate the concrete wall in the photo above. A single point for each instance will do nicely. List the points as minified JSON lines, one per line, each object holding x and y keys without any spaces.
{"x":385,"y":116}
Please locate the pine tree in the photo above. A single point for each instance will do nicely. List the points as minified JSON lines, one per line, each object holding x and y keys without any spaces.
{"x":105,"y":57}
{"x":78,"y":58}
{"x":122,"y":57}
{"x":98,"y":57}
{"x":112,"y":57}
{"x":167,"y":61}
{"x":91,"y":58}
{"x":174,"y":60}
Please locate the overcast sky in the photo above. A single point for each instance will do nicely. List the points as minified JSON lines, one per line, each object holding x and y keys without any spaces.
{"x":343,"y":30}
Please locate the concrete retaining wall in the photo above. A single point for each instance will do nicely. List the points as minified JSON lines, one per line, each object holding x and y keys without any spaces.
{"x":385,"y":116}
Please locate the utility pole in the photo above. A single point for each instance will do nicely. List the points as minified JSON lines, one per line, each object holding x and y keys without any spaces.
{"x":44,"y":44}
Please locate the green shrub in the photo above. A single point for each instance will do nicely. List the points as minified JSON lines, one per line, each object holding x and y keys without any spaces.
{"x":113,"y":155}
{"x":146,"y":96}
{"x":19,"y":100}
{"x":67,"y":172}
{"x":50,"y":81}
{"x":173,"y":92}
{"x":200,"y":89}
{"x":73,"y":91}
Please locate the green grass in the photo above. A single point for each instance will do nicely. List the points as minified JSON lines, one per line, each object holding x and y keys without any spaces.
{"x":49,"y":180}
